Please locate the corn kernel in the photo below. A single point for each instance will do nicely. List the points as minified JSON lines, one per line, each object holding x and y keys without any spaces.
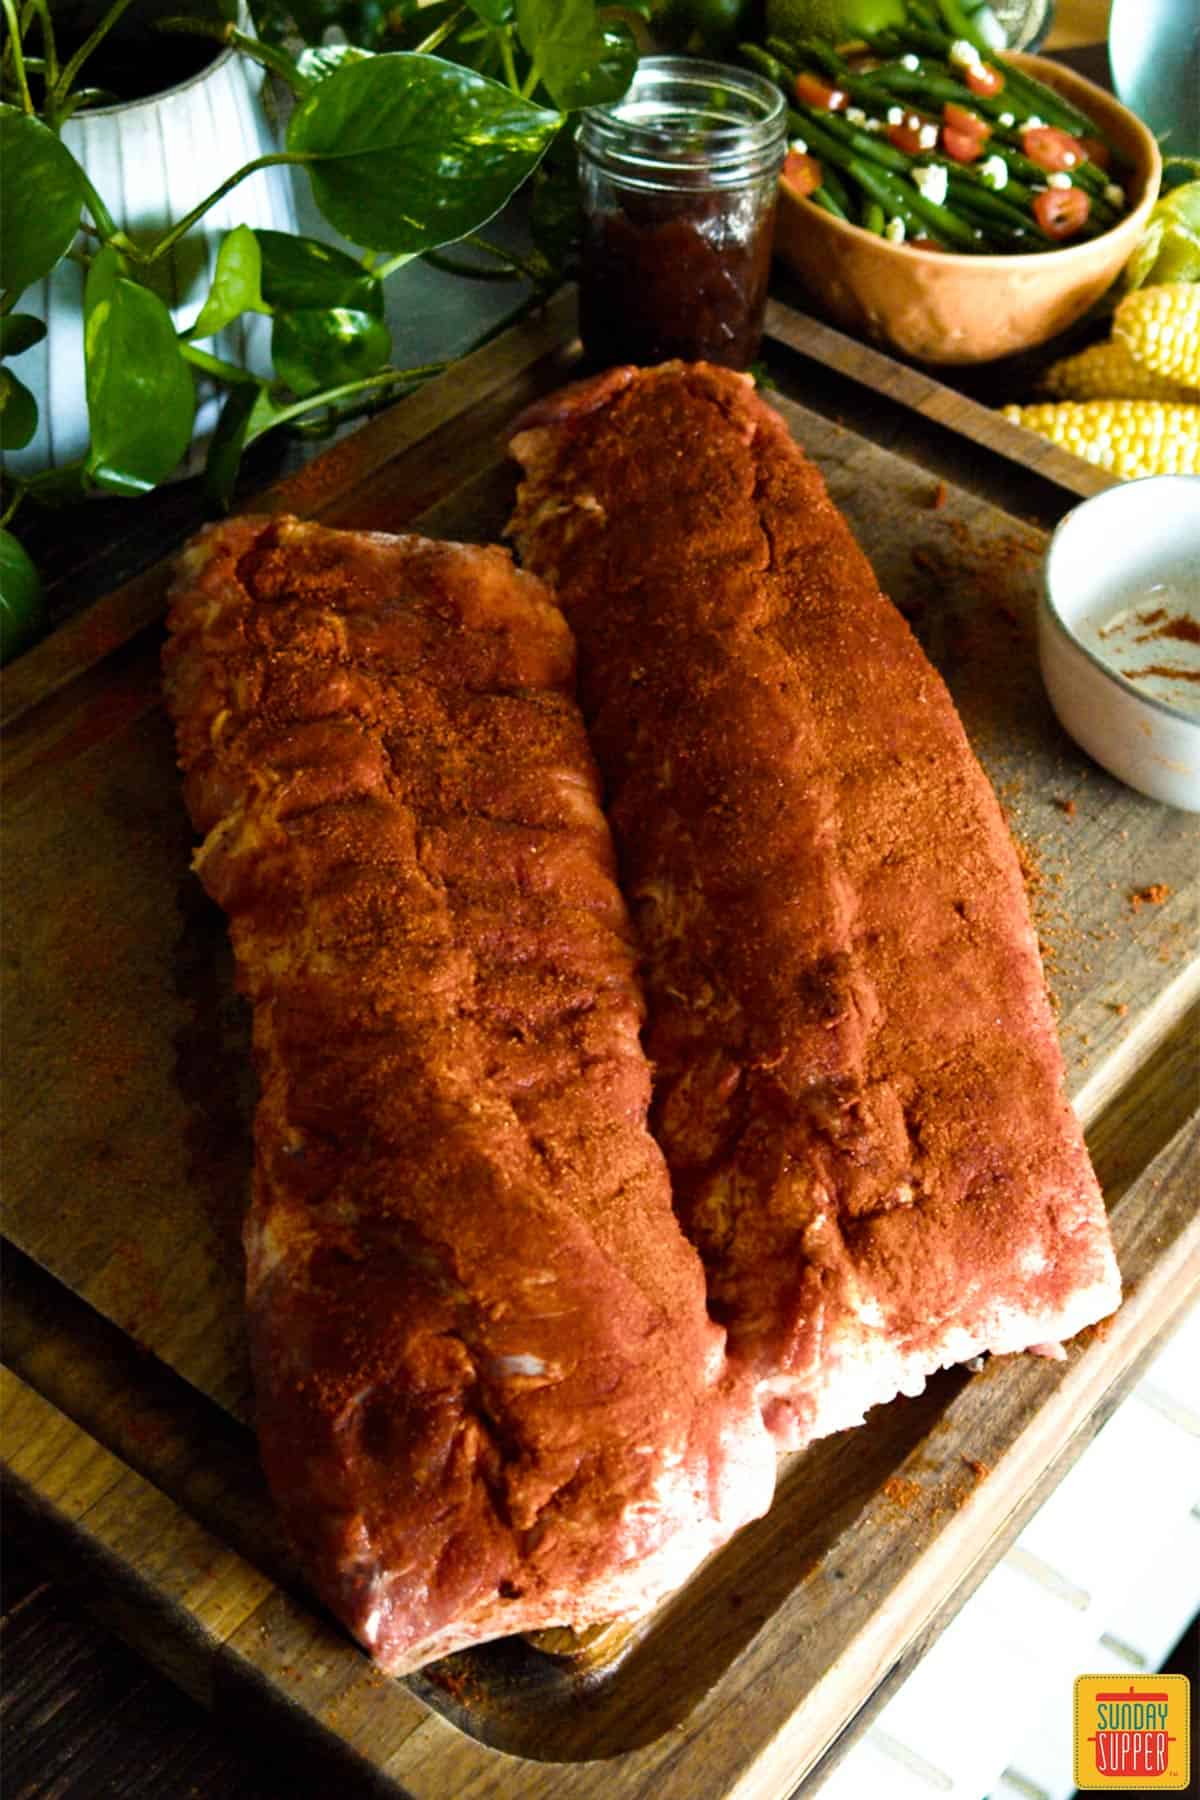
{"x":1108,"y":371}
{"x":1129,"y":438}
{"x":1160,"y":326}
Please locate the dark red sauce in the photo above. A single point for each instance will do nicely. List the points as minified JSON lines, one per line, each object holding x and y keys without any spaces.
{"x":676,"y":275}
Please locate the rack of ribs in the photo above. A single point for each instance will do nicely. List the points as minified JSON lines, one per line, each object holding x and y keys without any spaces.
{"x":858,"y":1085}
{"x":489,"y":1395}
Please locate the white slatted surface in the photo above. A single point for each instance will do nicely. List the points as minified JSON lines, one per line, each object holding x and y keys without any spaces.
{"x":1106,"y":1576}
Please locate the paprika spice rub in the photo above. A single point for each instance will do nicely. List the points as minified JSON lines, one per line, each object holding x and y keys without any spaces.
{"x":489,"y":1396}
{"x":858,"y":1085}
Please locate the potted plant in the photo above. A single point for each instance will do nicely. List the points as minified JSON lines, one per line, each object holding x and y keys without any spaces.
{"x":405,"y":150}
{"x":155,"y":123}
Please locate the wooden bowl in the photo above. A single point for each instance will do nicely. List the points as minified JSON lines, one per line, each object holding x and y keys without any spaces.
{"x":939,"y":307}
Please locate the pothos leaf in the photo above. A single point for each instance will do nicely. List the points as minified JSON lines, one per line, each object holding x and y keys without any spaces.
{"x":406,"y":152}
{"x":323,"y":349}
{"x":22,"y":606}
{"x":20,"y":331}
{"x":140,"y":396}
{"x":236,"y":284}
{"x":300,"y":272}
{"x":582,"y":61}
{"x":41,"y":197}
{"x":18,"y":412}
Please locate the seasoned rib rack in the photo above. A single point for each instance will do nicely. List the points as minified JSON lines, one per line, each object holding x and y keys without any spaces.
{"x":858,"y":1085}
{"x":489,"y":1396}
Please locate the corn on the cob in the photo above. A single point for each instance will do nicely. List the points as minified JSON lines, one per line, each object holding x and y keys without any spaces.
{"x":1128,"y":437}
{"x":1109,"y":371}
{"x":1160,"y":326}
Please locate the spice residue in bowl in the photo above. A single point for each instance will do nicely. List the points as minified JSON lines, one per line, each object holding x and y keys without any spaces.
{"x":1151,"y":637}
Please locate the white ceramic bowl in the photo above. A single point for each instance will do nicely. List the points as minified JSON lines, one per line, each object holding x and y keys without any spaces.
{"x":1121,"y":573}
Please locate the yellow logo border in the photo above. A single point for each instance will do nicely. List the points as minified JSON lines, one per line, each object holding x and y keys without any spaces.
{"x":1142,"y":1783}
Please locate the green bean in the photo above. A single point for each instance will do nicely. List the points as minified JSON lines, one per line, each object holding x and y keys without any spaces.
{"x":983,"y":199}
{"x":872,"y":144}
{"x":896,"y":201}
{"x":888,"y":43}
{"x":837,"y":187}
{"x":835,"y":142}
{"x":856,"y":86}
{"x":874,"y":219}
{"x":1048,"y":104}
{"x":767,"y":65}
{"x":945,"y":222}
{"x":814,"y":50}
{"x":827,"y":203}
{"x":889,"y":78}
{"x":1017,"y":231}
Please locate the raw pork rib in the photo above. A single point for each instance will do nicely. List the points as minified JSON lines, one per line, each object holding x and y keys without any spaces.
{"x":489,"y":1395}
{"x":858,"y":1084}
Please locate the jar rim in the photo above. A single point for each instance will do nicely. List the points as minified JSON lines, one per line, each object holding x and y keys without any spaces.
{"x":683,"y":112}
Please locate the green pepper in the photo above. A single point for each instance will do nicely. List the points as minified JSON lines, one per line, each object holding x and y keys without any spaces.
{"x":22,"y":608}
{"x":701,"y":26}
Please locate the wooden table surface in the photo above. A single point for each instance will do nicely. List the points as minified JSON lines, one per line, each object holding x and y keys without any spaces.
{"x":82,"y":1715}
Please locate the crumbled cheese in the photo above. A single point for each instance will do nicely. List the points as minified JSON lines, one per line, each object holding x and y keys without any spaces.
{"x":965,"y":55}
{"x":1070,"y":157}
{"x":1114,"y":195}
{"x":927,"y":136}
{"x":799,"y":146}
{"x":994,"y":172}
{"x":874,"y":125}
{"x":910,"y":62}
{"x":894,"y":231}
{"x":932,"y":182}
{"x":1008,"y":120}
{"x":895,"y":115}
{"x":1033,"y":123}
{"x":1059,"y":179}
{"x":855,"y":115}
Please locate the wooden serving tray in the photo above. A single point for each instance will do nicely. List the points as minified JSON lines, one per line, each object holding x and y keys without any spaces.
{"x":128,"y":1099}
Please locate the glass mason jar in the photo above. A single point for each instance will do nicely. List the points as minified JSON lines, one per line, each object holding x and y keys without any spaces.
{"x":678,"y":184}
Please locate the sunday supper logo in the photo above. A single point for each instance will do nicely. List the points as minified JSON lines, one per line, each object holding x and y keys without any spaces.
{"x":1132,"y":1735}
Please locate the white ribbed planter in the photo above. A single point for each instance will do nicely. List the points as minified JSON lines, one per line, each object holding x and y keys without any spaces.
{"x":151,"y":161}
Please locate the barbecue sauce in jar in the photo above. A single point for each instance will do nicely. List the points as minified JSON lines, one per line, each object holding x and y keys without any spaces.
{"x":679,"y":181}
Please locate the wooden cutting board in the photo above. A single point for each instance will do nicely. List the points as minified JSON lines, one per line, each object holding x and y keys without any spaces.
{"x":128,"y":1098}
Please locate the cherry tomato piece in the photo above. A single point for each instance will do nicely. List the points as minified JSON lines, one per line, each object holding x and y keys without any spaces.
{"x":810,"y":90}
{"x":963,"y":120}
{"x":983,"y":79}
{"x":1061,"y":212}
{"x":907,"y":135}
{"x":1096,"y":151}
{"x":961,"y":146}
{"x":964,"y":133}
{"x":1051,"y":148}
{"x":802,"y":173}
